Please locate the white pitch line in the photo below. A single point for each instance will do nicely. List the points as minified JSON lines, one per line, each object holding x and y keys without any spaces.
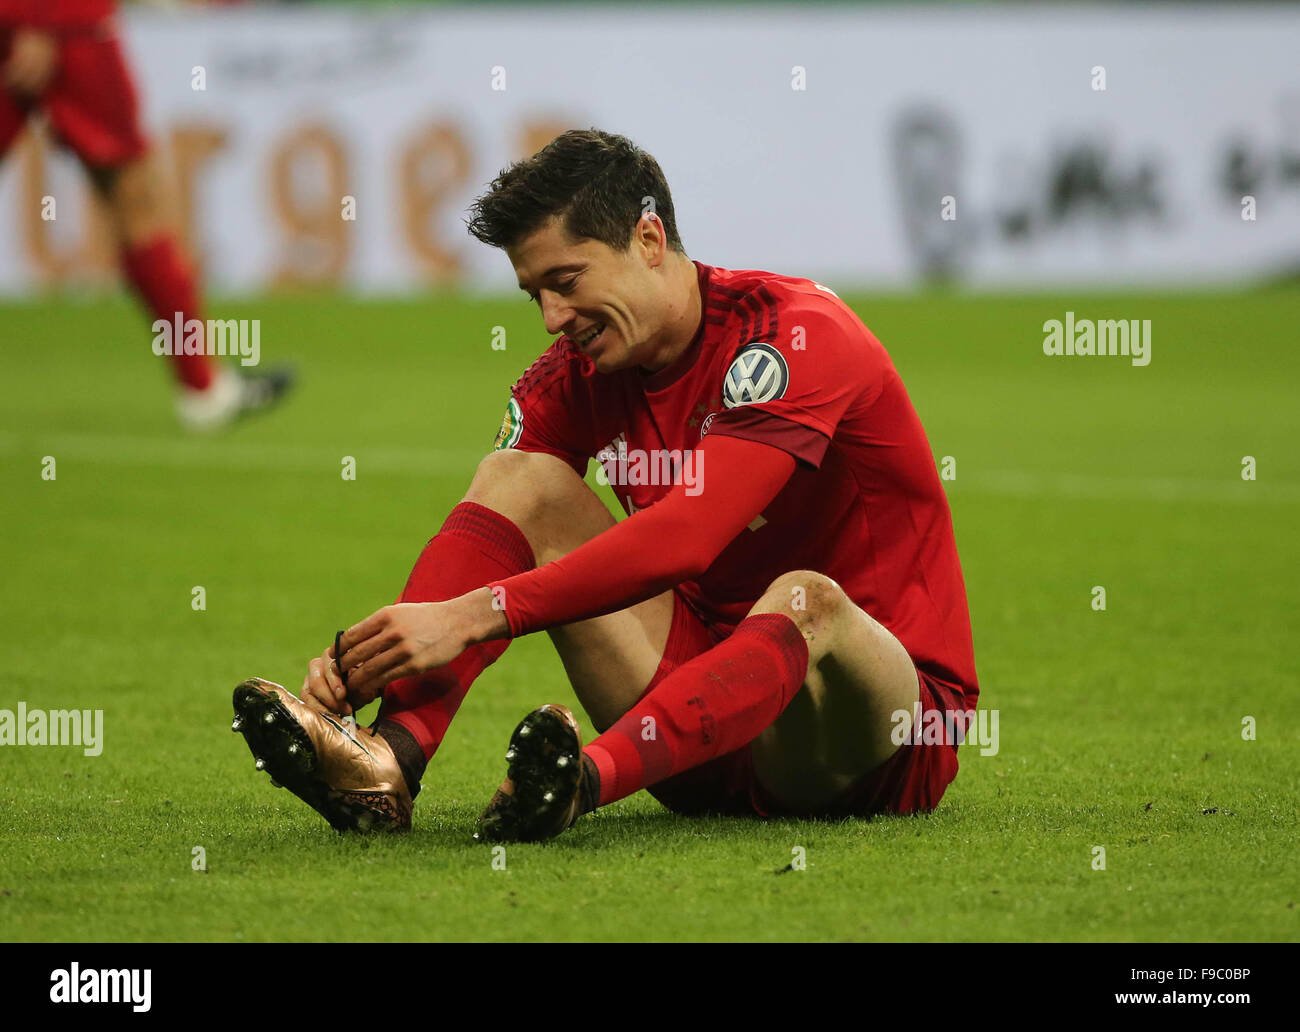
{"x":185,"y":452}
{"x":1099,"y":487}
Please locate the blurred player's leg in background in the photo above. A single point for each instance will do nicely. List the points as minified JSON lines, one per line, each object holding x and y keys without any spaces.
{"x":79,"y":77}
{"x":152,"y":262}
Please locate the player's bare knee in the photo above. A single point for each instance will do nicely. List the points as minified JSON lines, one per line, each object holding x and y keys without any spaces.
{"x":132,"y":198}
{"x":502,"y":467}
{"x":542,"y":495}
{"x":815,"y":602}
{"x":529,"y":483}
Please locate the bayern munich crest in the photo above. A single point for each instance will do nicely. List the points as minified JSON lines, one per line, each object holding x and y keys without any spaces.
{"x":756,"y":375}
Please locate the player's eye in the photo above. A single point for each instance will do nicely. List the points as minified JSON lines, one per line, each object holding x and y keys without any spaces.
{"x":560,"y":288}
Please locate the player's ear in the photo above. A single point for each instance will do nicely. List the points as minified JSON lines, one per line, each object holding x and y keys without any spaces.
{"x":650,"y":236}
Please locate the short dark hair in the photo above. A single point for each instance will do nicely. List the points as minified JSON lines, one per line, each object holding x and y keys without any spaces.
{"x":598,"y":183}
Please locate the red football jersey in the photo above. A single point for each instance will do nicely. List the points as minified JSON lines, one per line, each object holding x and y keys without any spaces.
{"x":782,"y":361}
{"x":55,"y":13}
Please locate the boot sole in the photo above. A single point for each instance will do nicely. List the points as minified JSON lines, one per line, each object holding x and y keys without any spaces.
{"x":545,"y":765}
{"x":285,"y":749}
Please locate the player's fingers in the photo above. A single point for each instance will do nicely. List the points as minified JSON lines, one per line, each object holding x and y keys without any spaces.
{"x":360,"y":699}
{"x":330,"y":670}
{"x":367,"y":628}
{"x":384,"y":637}
{"x":335,"y":683}
{"x":318,"y":688}
{"x":309,"y":700}
{"x":375,"y":672}
{"x":406,"y":669}
{"x":367,"y":651}
{"x":309,"y":697}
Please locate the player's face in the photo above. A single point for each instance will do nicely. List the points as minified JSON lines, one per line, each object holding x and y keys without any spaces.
{"x":603,"y":300}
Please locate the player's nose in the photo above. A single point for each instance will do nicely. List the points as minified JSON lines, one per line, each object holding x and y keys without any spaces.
{"x":556,"y":314}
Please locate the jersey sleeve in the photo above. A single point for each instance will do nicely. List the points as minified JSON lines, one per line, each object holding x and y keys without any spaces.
{"x":550,"y":409}
{"x":673,"y":540}
{"x":793,"y":391}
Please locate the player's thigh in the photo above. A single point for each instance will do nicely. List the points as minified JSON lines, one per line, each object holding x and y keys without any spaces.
{"x":842,"y":723}
{"x":544,"y":497}
{"x":133,"y":195}
{"x":92,"y":102}
{"x":611,"y":659}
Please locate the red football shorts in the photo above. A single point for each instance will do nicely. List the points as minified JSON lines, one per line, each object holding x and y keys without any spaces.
{"x":913,"y":780}
{"x":91,"y":101}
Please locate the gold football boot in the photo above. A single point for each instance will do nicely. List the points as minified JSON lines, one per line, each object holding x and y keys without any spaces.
{"x":347,"y":774}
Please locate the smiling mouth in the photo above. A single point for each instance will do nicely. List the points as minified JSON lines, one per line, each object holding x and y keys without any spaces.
{"x":590,"y":337}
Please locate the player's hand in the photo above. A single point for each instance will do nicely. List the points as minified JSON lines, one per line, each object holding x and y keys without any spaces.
{"x":404,"y":639}
{"x":33,"y":58}
{"x":322,"y":688}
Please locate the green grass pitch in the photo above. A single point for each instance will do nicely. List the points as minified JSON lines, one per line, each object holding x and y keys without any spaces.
{"x":1119,"y":728}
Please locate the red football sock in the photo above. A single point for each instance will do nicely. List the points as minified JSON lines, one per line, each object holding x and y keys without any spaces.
{"x":718,"y":702}
{"x":166,"y":283}
{"x":475,"y":545}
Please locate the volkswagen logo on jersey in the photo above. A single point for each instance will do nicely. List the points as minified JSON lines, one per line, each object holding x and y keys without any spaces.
{"x":757,"y":374}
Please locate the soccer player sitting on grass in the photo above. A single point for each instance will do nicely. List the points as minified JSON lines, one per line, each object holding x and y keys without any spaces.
{"x":752,"y":637}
